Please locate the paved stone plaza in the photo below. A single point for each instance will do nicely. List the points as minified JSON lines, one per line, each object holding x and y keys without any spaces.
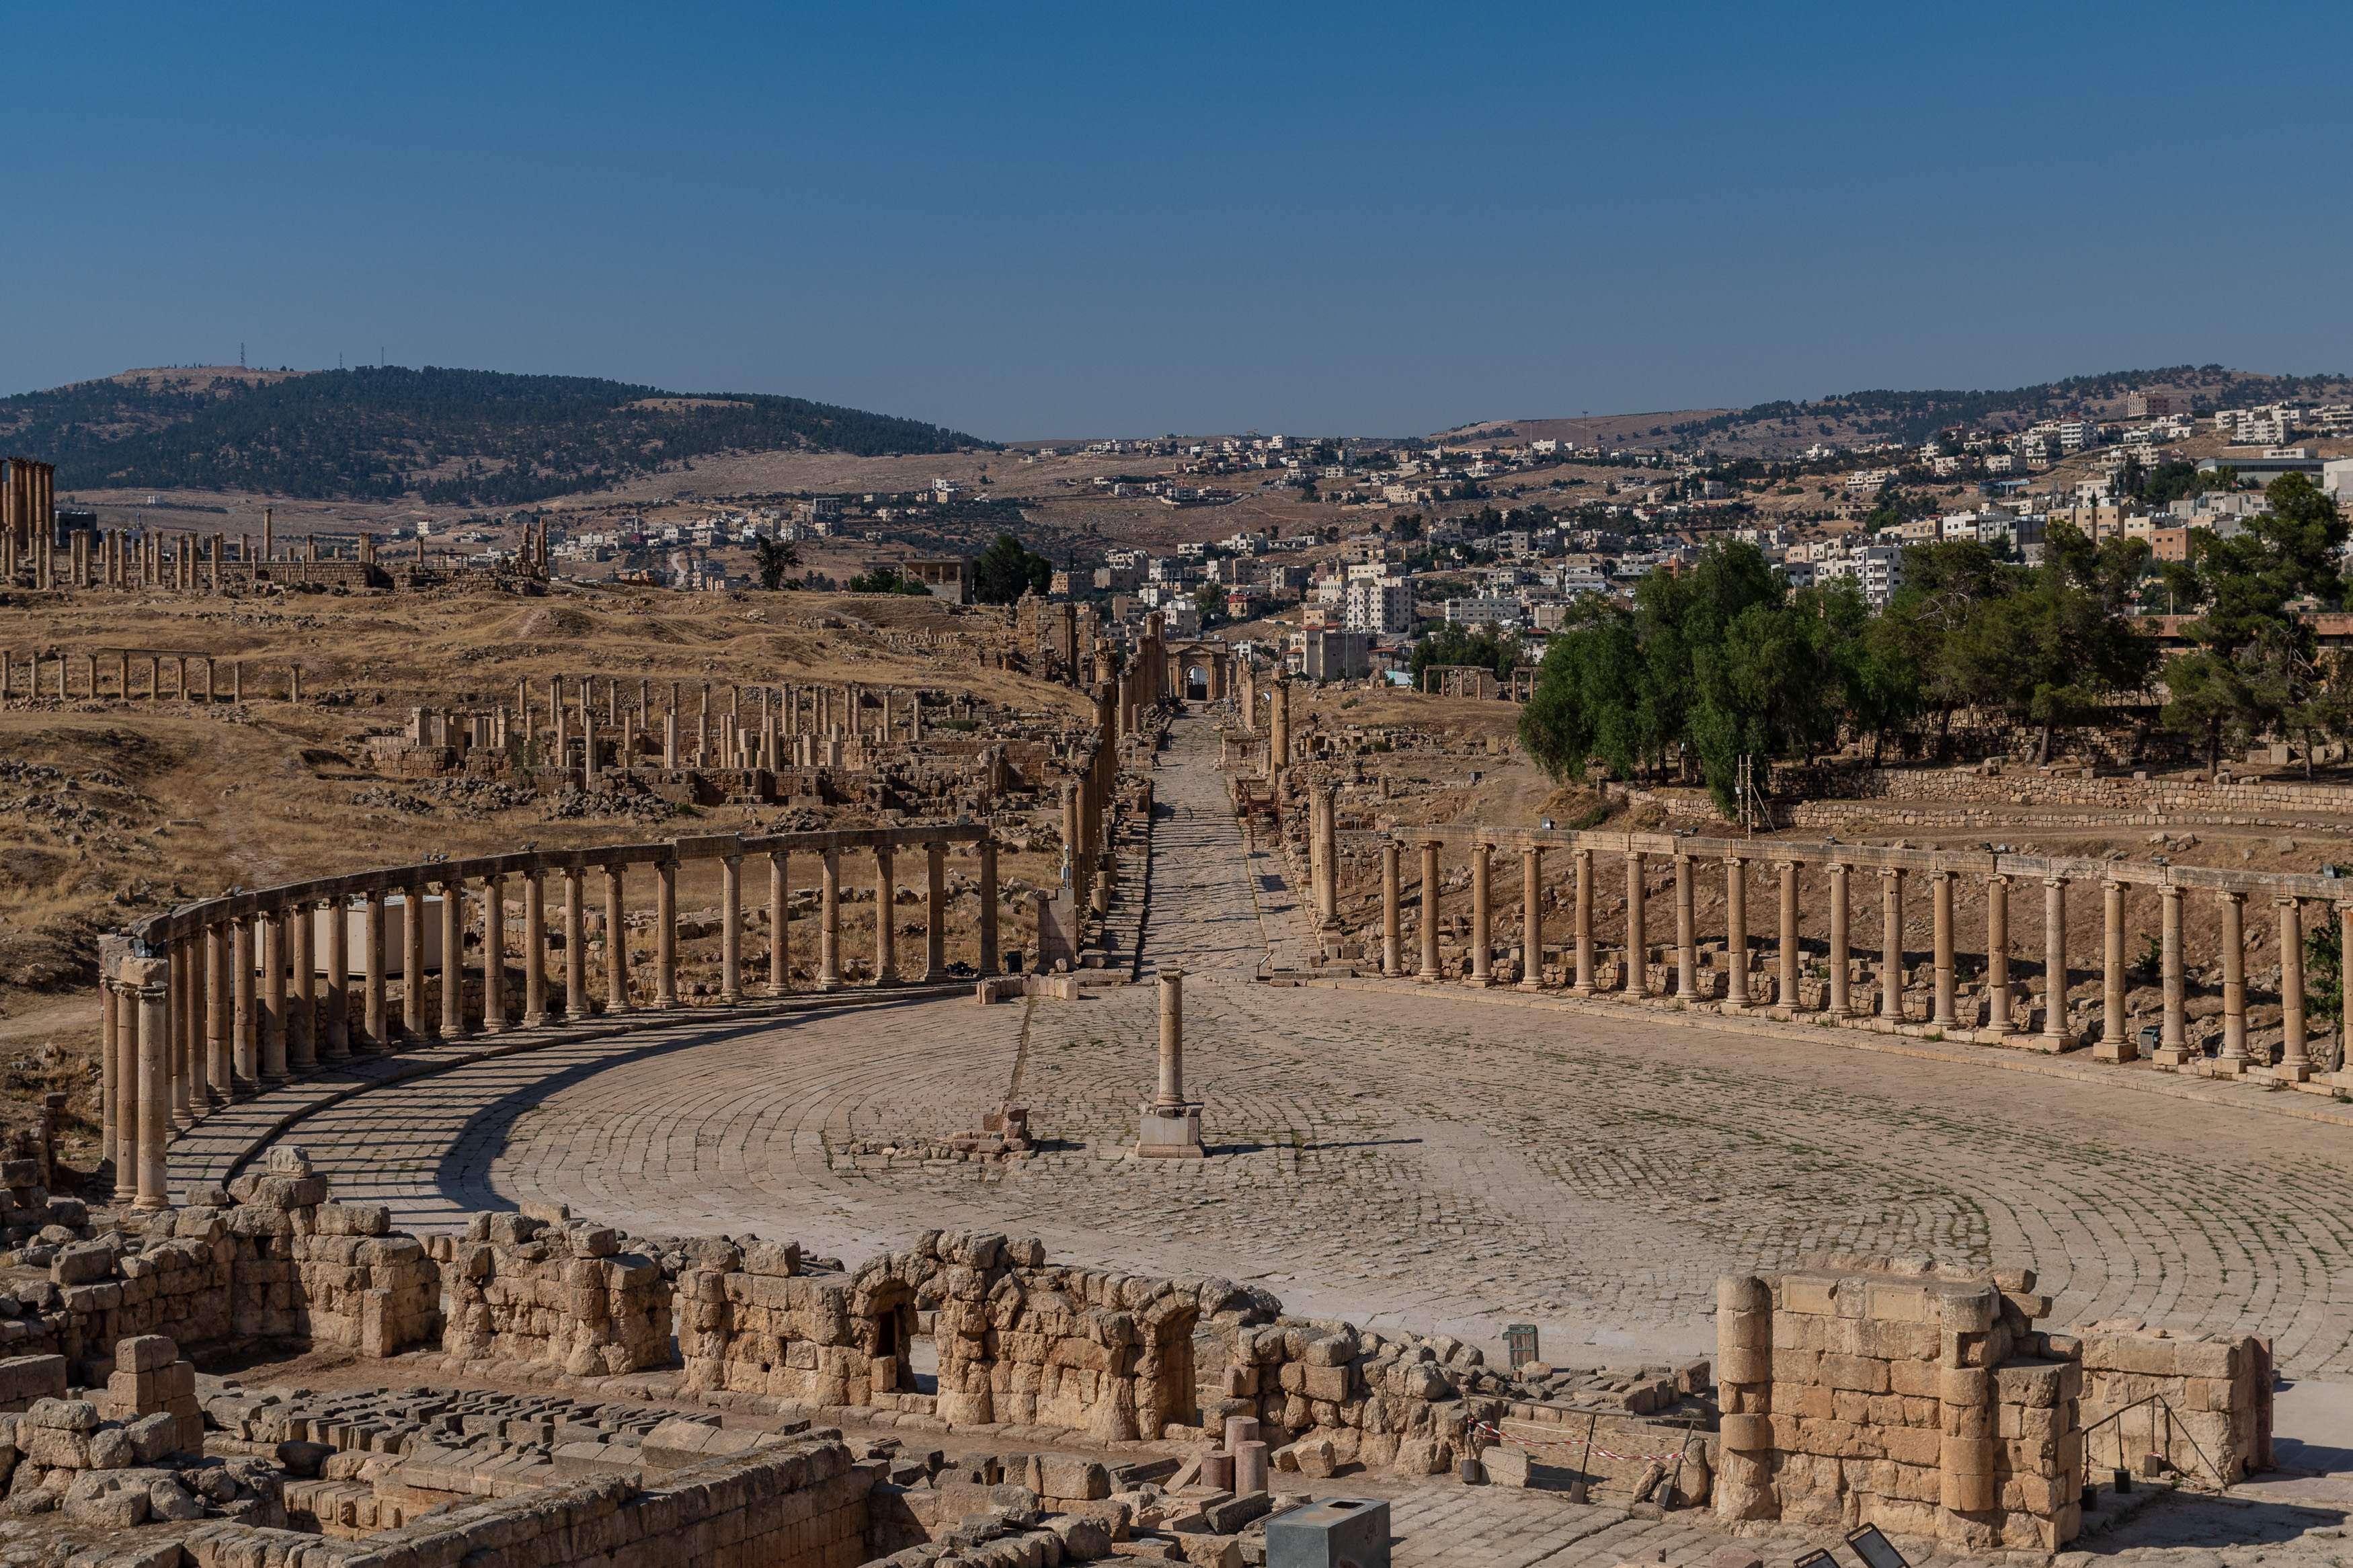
{"x":1428,"y":1157}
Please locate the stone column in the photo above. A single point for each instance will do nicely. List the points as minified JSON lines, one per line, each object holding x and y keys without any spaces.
{"x":1328,"y":904}
{"x":935,"y":912}
{"x":2173,"y":1039}
{"x":1940,"y":886}
{"x":119,"y":1025}
{"x":988,"y":895}
{"x":1481,"y":936}
{"x":1736,"y":930}
{"x":1428,"y":971}
{"x":1531,"y":917}
{"x":335,"y":1028}
{"x":1788,"y":950}
{"x":730,"y":929}
{"x":1997,"y":1019}
{"x":2233,"y":1060}
{"x":1686,"y":934}
{"x":2115,"y":1041}
{"x":2295,"y":1066}
{"x":616,"y":939}
{"x":828,"y":930}
{"x":148,"y":976}
{"x":210,"y":1083}
{"x":372,"y":1000}
{"x":414,"y":1031}
{"x":302,"y":1004}
{"x":2345,"y":971}
{"x":245,"y":1065}
{"x":886,"y":935}
{"x":2054,"y":964}
{"x":665,"y":935}
{"x":1891,"y":946}
{"x":1638,"y":946}
{"x":1392,"y":913}
{"x":1584,"y":986}
{"x":1838,"y":998}
{"x":494,"y":955}
{"x":453,"y":960}
{"x":534,"y":948}
{"x":270,"y":931}
{"x":780,"y":968}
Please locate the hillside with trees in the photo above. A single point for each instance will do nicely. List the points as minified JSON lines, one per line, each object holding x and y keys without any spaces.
{"x":449,"y":438}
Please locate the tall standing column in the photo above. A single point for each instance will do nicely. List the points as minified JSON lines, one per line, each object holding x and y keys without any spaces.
{"x":829,"y":924}
{"x":148,"y":977}
{"x":2233,"y":1060}
{"x":1532,"y":918}
{"x":302,"y":1004}
{"x":1428,"y":971}
{"x":1328,"y":843}
{"x":665,"y":934}
{"x":2116,"y":1042}
{"x":2054,"y":964}
{"x":2295,"y":1065}
{"x":1686,"y":934}
{"x":494,"y":954}
{"x":935,"y":912}
{"x":245,"y":1065}
{"x":270,"y":929}
{"x":780,"y":969}
{"x":413,"y":1029}
{"x":1584,"y":986}
{"x":886,"y":934}
{"x":1638,"y":945}
{"x":1787,"y":946}
{"x":1940,"y":885}
{"x":1891,"y":946}
{"x":335,"y":1024}
{"x":617,"y":941}
{"x":118,"y":1022}
{"x":1997,"y":1019}
{"x":988,"y":895}
{"x":577,"y":1005}
{"x":374,"y":1010}
{"x":1392,"y":914}
{"x":534,"y":948}
{"x":1839,"y":1000}
{"x":2173,"y":1039}
{"x":2345,"y":972}
{"x":1482,"y":937}
{"x":189,"y":1043}
{"x":453,"y":960}
{"x":730,"y":929}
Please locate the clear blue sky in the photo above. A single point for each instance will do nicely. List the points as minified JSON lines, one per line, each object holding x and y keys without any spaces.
{"x":1126,"y":220}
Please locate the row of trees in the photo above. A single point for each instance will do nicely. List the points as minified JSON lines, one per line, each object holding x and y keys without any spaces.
{"x":1724,"y":661}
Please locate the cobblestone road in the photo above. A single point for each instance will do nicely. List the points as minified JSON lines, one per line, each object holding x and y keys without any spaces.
{"x":1424,"y":1158}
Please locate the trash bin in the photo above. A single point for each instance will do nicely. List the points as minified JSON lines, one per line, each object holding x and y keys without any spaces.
{"x":1338,"y":1532}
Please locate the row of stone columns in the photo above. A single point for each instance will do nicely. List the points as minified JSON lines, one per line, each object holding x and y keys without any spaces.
{"x":2295,"y":1064}
{"x":222,"y":1037}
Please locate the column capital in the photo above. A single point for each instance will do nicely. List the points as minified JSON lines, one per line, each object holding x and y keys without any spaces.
{"x":2172,"y":891}
{"x":1786,"y":865}
{"x":2287,"y":901}
{"x":1735,"y":859}
{"x":1939,"y":874}
{"x":2112,"y":885}
{"x":1891,"y":873}
{"x":2054,"y":881}
{"x":2233,"y":895}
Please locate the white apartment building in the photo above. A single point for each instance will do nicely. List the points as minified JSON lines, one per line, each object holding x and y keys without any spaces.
{"x":1483,"y":610}
{"x":1382,"y":606}
{"x":1876,"y":569}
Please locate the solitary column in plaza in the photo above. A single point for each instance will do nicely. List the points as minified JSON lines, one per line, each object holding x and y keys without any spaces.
{"x":1428,"y":971}
{"x":665,"y":935}
{"x":302,"y":1004}
{"x":1482,"y":938}
{"x":2172,"y":1040}
{"x":1736,"y":928}
{"x":1532,"y":918}
{"x":2295,"y":1066}
{"x":886,"y":924}
{"x":1840,"y":1008}
{"x":1392,"y":916}
{"x":828,"y":925}
{"x":1638,"y":947}
{"x":1787,"y":954}
{"x":1997,"y":1019}
{"x":935,"y":912}
{"x":1940,"y":885}
{"x":535,"y":949}
{"x":1170,"y":1125}
{"x":373,"y":1017}
{"x":494,"y":954}
{"x":1584,"y":986}
{"x":2055,"y":1036}
{"x":2233,"y":1060}
{"x":988,"y":896}
{"x":1891,"y":946}
{"x":730,"y":929}
{"x":148,"y":977}
{"x":2116,"y":1042}
{"x":453,"y":959}
{"x":1686,"y":934}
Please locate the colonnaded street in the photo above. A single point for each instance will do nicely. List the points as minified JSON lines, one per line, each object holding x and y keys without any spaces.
{"x":1397,"y":1155}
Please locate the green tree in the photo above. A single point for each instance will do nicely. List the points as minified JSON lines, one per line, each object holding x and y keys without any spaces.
{"x":2052,"y":653}
{"x":886,"y":580}
{"x":1490,"y":647}
{"x":1944,"y":586}
{"x":1008,"y":569}
{"x":1210,"y":599}
{"x":773,"y":558}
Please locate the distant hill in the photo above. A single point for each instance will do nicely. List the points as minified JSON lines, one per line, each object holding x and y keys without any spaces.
{"x":449,"y":438}
{"x":1859,"y":418}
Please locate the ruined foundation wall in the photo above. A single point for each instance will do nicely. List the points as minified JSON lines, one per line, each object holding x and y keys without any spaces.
{"x":2203,"y":1406}
{"x":520,"y":1289}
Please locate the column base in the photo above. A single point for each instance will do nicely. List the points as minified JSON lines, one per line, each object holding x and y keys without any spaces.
{"x":2291,"y":1072}
{"x":153,"y":1205}
{"x":1477,"y":982}
{"x":664,"y":1004}
{"x":2226,"y":1067}
{"x":829,"y":985}
{"x":778,"y":988}
{"x":1689,"y":996}
{"x":1946,"y":1022}
{"x":1169,"y":1136}
{"x":2116,"y":1051}
{"x":2170,"y":1056}
{"x":535,"y":1020}
{"x":1582,"y":988}
{"x":1531,"y":986}
{"x":2054,"y":1043}
{"x":1426,"y":977}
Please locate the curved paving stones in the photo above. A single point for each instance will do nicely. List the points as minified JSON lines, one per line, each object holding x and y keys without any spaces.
{"x":1425,"y":1158}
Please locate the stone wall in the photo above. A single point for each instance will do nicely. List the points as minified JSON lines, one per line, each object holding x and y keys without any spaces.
{"x":2202,"y":1407}
{"x":1919,"y":1401}
{"x":563,"y":1294}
